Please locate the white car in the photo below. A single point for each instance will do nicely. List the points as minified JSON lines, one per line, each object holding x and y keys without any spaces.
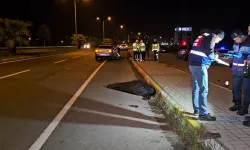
{"x":105,"y":51}
{"x":123,"y":47}
{"x":87,"y":46}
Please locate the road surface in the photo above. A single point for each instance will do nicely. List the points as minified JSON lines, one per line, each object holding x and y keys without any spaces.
{"x":35,"y":111}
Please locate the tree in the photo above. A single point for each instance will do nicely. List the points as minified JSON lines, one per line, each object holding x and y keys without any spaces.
{"x":78,"y":39}
{"x":93,"y":40}
{"x":44,"y":33}
{"x":107,"y":41}
{"x":14,"y":32}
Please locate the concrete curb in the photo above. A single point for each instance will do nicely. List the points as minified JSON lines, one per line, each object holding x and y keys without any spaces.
{"x":216,"y":145}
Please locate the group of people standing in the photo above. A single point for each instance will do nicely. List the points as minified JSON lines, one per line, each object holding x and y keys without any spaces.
{"x":140,"y":50}
{"x":200,"y":58}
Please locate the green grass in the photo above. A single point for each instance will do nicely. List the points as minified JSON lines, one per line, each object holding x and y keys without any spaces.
{"x":191,"y":137}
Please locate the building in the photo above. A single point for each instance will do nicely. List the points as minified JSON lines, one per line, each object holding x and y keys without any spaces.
{"x":183,"y":34}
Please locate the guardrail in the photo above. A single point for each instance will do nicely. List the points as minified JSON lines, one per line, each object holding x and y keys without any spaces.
{"x":38,"y":47}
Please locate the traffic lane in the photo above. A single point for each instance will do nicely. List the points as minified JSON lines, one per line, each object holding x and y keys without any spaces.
{"x":216,"y":74}
{"x":26,"y":99}
{"x":102,"y":119}
{"x":11,"y":68}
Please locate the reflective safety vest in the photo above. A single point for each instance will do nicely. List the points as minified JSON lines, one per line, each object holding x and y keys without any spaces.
{"x":142,"y":47}
{"x":200,"y":54}
{"x":135,"y":47}
{"x":155,"y":47}
{"x":240,"y":62}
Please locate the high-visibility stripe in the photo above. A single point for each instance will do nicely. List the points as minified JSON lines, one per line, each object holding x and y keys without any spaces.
{"x":236,"y":64}
{"x":198,"y":53}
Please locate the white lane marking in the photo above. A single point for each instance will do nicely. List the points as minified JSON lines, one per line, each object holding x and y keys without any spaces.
{"x":10,"y":75}
{"x":28,"y":59}
{"x":121,"y":117}
{"x":76,"y":57}
{"x":60,"y":61}
{"x":37,"y":145}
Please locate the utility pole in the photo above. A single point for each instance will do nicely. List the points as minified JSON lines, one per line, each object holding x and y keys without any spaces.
{"x":76,"y":23}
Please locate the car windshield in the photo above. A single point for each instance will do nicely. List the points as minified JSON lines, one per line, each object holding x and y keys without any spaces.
{"x":105,"y":47}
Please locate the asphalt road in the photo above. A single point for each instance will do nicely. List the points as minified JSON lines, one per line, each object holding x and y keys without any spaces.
{"x":35,"y":111}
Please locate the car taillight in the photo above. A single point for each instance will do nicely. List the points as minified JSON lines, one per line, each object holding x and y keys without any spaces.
{"x":110,"y":51}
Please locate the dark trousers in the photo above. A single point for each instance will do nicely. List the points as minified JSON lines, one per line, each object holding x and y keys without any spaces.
{"x":147,"y":51}
{"x":155,"y":55}
{"x":136,"y":55}
{"x":143,"y":54}
{"x":241,"y":84}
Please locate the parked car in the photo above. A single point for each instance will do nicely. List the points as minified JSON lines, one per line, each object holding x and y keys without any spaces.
{"x":163,"y":49}
{"x":183,"y":52}
{"x":105,"y":51}
{"x":87,"y":46}
{"x":123,"y":47}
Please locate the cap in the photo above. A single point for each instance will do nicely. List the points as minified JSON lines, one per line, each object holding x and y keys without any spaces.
{"x":220,"y":33}
{"x":236,"y":33}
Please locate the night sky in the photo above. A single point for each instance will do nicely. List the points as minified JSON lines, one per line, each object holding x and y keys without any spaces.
{"x":158,"y":16}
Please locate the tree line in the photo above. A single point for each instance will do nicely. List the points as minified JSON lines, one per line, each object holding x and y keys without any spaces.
{"x":15,"y":33}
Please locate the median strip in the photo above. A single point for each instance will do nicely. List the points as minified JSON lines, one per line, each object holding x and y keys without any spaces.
{"x":10,"y":75}
{"x":60,"y":61}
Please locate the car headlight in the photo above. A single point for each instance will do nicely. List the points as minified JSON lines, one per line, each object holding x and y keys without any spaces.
{"x":88,"y":46}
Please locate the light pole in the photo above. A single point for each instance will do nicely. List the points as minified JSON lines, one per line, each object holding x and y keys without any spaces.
{"x":75,"y":19}
{"x":128,"y":35}
{"x":121,"y":27}
{"x":103,"y":25}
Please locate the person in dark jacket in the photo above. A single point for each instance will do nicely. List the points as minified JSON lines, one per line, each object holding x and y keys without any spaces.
{"x":200,"y":58}
{"x":240,"y":81}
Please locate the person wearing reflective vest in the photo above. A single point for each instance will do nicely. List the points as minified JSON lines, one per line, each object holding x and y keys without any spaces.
{"x":200,"y":58}
{"x":246,"y":89}
{"x":240,"y":79}
{"x":136,"y":50}
{"x":155,"y":49}
{"x":142,"y":51}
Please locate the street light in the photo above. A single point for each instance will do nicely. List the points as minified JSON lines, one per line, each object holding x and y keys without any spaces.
{"x":75,"y":1}
{"x":139,"y":33}
{"x":103,"y":25}
{"x":117,"y":34}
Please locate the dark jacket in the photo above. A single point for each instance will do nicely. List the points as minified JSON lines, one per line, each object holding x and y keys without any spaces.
{"x":202,"y":52}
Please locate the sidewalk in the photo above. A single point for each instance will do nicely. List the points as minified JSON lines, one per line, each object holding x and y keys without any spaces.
{"x":177,"y":85}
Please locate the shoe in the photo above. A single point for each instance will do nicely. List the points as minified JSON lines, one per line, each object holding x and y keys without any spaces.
{"x":235,"y":107}
{"x":196,"y":113}
{"x":242,"y":111}
{"x":207,"y":117}
{"x":247,"y":118}
{"x":246,"y":123}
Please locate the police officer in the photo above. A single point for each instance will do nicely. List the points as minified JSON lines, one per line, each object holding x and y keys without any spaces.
{"x":136,"y":50}
{"x":246,"y":89}
{"x":240,"y":79}
{"x":155,"y":49}
{"x":142,"y":51}
{"x":200,"y":58}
